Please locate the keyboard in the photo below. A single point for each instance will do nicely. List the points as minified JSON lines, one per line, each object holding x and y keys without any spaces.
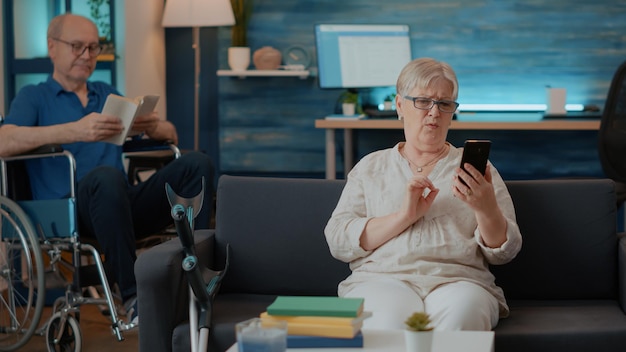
{"x":380,"y":114}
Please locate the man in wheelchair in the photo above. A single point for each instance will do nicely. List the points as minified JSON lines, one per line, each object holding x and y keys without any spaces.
{"x":65,"y":110}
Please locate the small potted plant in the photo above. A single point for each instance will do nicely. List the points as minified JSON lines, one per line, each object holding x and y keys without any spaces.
{"x":239,"y":51}
{"x":349,"y":101}
{"x":388,"y":101}
{"x":418,"y":335}
{"x":99,"y":13}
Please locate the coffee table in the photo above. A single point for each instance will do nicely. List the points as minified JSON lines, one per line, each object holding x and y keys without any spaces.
{"x":393,"y":341}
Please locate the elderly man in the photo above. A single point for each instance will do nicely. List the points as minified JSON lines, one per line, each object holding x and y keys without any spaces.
{"x":65,"y":109}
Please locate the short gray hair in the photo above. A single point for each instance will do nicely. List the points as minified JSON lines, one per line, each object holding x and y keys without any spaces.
{"x":424,"y":73}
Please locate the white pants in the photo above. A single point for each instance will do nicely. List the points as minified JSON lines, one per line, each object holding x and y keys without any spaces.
{"x":456,"y":306}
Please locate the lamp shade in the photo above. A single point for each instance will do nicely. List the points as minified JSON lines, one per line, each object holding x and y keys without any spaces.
{"x":198,"y":13}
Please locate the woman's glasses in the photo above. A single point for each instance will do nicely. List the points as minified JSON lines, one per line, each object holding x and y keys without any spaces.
{"x":427,"y":104}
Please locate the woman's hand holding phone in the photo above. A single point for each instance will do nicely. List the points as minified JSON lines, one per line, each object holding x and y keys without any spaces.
{"x":475,"y":153}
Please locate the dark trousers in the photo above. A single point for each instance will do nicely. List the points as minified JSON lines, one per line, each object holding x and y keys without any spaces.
{"x":117,"y":214}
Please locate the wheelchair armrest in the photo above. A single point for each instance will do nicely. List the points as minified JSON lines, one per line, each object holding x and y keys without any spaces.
{"x":40,"y":152}
{"x":147,"y":154}
{"x":147,"y":145}
{"x":46,"y":149}
{"x":162,"y":287}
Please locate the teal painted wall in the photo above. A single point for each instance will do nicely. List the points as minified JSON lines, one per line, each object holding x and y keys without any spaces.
{"x":503,"y":52}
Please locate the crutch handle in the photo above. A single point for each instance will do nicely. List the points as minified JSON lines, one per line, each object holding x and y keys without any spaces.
{"x":183,"y":228}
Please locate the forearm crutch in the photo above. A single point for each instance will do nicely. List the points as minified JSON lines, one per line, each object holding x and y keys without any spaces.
{"x":184,"y":211}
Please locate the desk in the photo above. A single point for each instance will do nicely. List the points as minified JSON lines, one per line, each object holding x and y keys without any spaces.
{"x":349,"y":125}
{"x":393,"y":341}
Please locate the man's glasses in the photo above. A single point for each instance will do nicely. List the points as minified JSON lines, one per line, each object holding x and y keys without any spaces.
{"x":79,"y":48}
{"x":427,"y":104}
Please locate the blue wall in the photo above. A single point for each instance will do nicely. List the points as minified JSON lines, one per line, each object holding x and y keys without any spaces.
{"x":503,"y":52}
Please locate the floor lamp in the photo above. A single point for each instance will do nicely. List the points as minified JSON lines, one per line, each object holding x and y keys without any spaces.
{"x":196,"y":14}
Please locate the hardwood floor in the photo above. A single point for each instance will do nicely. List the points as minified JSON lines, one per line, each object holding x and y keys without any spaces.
{"x":96,"y":334}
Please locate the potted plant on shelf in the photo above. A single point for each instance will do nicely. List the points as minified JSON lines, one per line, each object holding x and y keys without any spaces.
{"x":349,"y":101}
{"x":388,"y":101}
{"x":99,"y":13}
{"x":239,"y":52}
{"x":418,"y":335}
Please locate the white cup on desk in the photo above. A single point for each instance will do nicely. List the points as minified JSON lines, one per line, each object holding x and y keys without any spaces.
{"x":556,"y":101}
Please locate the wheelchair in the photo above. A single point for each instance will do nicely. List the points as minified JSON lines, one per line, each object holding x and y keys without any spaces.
{"x":40,"y":249}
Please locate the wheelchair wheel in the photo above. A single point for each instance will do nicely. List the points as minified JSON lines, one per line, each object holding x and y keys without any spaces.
{"x":21,"y":277}
{"x":70,"y":340}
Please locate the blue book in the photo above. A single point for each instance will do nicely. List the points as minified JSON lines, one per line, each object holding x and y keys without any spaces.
{"x":300,"y":341}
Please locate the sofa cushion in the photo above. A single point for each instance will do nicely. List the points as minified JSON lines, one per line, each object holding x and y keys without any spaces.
{"x":277,"y":242}
{"x":561,"y":325}
{"x":569,"y":246}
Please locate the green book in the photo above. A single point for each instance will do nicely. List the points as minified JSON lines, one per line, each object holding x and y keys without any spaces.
{"x":316,"y":306}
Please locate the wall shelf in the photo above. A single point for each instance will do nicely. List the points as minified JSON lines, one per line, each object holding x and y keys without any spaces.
{"x":264,"y":73}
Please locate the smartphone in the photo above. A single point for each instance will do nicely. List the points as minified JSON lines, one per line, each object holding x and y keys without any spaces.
{"x":476,"y":153}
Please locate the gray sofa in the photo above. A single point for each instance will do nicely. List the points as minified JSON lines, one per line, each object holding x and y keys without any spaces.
{"x":565,"y":288}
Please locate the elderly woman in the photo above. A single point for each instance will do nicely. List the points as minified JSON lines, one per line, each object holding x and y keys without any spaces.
{"x":418,"y":238}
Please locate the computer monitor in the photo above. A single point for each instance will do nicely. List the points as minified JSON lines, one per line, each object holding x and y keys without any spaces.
{"x":361,"y":55}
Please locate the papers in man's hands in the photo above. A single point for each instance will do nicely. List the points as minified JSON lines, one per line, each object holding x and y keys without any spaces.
{"x":127,"y":110}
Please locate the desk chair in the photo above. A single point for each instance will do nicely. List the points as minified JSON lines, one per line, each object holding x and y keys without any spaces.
{"x":612,"y":135}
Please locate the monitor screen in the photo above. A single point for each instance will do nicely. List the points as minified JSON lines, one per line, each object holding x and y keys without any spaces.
{"x":361,"y":55}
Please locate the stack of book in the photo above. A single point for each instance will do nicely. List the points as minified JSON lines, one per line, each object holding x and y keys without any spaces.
{"x":319,"y":321}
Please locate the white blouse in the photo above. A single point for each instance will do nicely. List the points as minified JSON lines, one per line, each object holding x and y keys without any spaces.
{"x":442,"y":247}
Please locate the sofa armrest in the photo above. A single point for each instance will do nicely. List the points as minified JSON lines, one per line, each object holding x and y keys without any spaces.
{"x":162,"y":288}
{"x":621,"y":262}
